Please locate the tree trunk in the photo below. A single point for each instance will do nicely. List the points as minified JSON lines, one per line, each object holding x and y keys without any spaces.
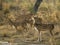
{"x":0,"y":4}
{"x":36,"y":6}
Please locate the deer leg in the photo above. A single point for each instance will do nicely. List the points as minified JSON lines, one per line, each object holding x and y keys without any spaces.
{"x":52,"y":41}
{"x":40,"y":38}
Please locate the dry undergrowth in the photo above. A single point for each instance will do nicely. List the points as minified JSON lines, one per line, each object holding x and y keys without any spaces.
{"x":48,"y":15}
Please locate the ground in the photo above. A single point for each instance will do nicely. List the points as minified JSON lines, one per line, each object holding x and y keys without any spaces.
{"x":28,"y":35}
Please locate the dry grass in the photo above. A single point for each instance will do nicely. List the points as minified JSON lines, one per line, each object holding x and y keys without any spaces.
{"x":48,"y":14}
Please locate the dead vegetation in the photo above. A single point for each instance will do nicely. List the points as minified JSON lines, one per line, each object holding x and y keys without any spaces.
{"x":15,"y":15}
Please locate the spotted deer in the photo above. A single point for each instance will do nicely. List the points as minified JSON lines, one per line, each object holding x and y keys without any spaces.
{"x":39,"y":26}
